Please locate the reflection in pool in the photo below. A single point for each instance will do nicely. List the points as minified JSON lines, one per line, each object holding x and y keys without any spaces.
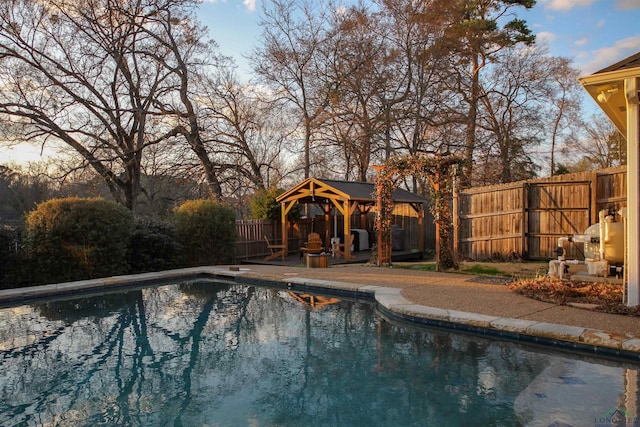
{"x":214,"y":354}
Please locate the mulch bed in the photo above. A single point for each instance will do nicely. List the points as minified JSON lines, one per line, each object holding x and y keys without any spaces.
{"x":605,"y":297}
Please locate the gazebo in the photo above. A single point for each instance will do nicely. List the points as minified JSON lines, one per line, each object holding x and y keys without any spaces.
{"x":346,"y":197}
{"x":616,"y":91}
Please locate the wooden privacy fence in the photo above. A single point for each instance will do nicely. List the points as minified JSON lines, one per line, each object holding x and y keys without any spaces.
{"x":523,"y":220}
{"x":250,"y":242}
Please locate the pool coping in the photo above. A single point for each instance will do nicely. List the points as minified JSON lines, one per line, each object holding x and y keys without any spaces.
{"x":389,"y":300}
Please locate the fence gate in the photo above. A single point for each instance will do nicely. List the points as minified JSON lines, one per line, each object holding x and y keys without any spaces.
{"x":554,"y":210}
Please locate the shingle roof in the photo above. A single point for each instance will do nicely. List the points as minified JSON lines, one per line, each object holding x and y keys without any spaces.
{"x":365,"y":191}
{"x":632,"y":61}
{"x":361,"y":192}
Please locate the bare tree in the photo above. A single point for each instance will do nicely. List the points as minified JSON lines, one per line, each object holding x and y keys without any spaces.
{"x":423,"y":113}
{"x":372,"y":57}
{"x":358,"y":54}
{"x":511,"y":119}
{"x":188,"y":53}
{"x":563,"y":104}
{"x":247,"y":131}
{"x":601,"y":145}
{"x":480,"y":29}
{"x":289,"y":61}
{"x":22,"y":187}
{"x":81,"y":74}
{"x":99,"y":76}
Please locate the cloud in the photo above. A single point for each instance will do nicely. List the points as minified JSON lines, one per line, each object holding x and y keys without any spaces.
{"x":627,"y":4}
{"x":582,"y":41}
{"x":251,"y":5}
{"x":567,"y":5}
{"x":545,"y":37}
{"x":601,"y":58}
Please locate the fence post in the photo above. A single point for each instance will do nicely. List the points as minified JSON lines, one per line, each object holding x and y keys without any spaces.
{"x":593,"y":207}
{"x":525,"y":221}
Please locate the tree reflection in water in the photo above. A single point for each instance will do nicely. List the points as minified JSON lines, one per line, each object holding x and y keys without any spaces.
{"x":216,"y":354}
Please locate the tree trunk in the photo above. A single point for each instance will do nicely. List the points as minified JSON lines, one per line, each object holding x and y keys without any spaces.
{"x":471,"y":123}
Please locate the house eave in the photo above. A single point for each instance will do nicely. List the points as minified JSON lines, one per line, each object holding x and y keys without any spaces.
{"x":608,"y":91}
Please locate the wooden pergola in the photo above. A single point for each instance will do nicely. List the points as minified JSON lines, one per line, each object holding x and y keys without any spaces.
{"x":346,"y":197}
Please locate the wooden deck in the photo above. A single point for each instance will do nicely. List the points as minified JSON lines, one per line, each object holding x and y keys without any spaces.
{"x":360,"y":257}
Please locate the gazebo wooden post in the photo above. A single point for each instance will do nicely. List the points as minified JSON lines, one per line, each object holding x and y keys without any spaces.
{"x":632,"y":266}
{"x":346,"y":215}
{"x":327,"y":225}
{"x":420,"y":212}
{"x":285,"y":227}
{"x":363,"y":218}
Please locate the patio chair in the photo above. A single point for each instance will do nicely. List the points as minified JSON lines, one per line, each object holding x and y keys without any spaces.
{"x":313,"y":245}
{"x":339,"y":249}
{"x":275,"y":250}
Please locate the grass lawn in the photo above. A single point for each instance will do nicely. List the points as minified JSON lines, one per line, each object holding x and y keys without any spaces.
{"x":518,"y":270}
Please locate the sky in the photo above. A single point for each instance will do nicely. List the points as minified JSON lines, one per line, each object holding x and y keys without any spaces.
{"x":593,"y":33}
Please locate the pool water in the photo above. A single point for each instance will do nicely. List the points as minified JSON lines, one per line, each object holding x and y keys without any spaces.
{"x":219,"y":354}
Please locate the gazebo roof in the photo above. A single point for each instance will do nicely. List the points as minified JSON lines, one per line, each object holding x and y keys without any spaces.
{"x":311,"y":189}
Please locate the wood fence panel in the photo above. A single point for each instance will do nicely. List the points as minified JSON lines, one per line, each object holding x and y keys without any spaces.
{"x":250,"y":242}
{"x":490,"y":222}
{"x":611,"y":191}
{"x":557,"y":209}
{"x":526,"y":218}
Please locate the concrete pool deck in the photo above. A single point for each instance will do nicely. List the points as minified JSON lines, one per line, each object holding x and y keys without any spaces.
{"x":438,"y":299}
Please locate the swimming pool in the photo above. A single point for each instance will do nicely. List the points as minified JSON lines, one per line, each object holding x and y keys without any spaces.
{"x":223,"y":354}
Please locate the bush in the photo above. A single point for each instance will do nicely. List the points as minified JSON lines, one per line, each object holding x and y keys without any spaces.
{"x":8,"y":256}
{"x":207,"y":232}
{"x":153,"y":246}
{"x":263,"y":205}
{"x":73,"y":238}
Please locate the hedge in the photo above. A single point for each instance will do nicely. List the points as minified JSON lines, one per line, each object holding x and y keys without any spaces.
{"x":75,"y":238}
{"x":206,"y":231}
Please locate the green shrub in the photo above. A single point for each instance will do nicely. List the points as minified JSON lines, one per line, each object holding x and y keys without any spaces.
{"x":153,"y":246}
{"x":73,"y":238}
{"x":207,"y":232}
{"x":263,"y":205}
